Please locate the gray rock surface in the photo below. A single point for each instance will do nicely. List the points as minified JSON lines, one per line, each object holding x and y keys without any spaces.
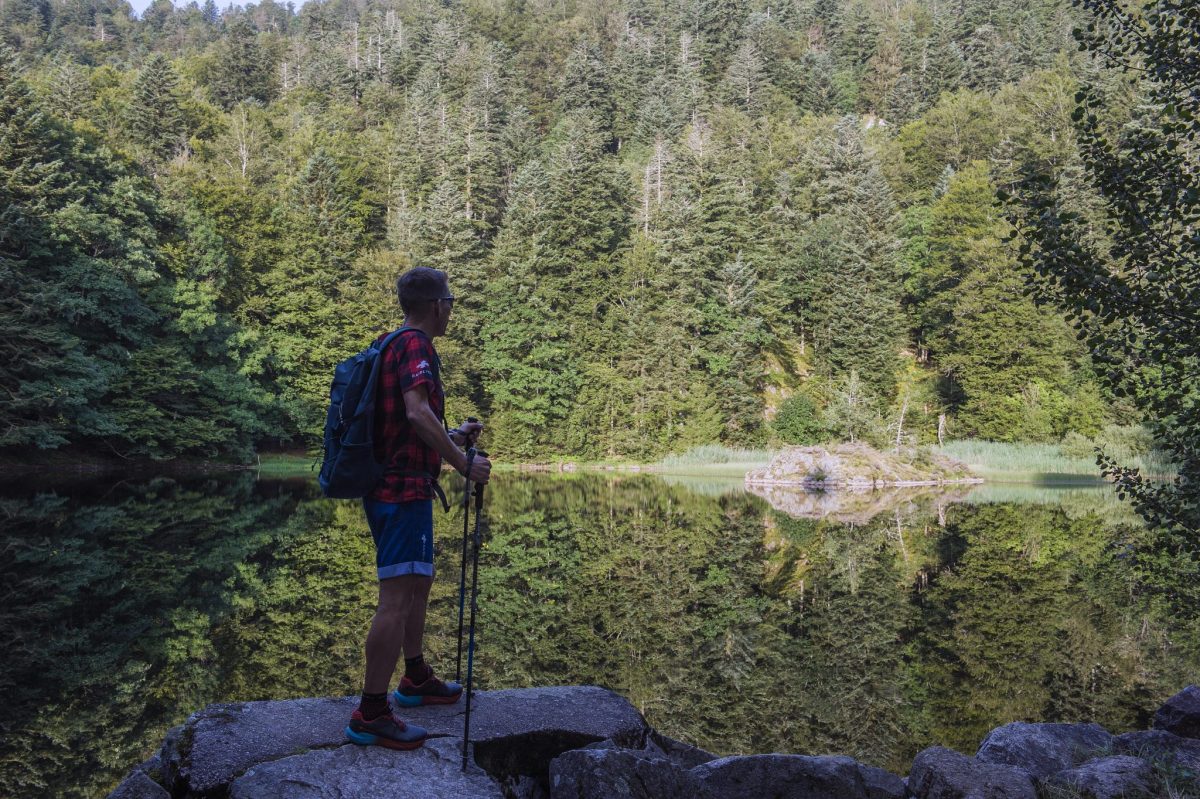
{"x":1116,"y":777}
{"x":139,"y":786}
{"x":940,"y":773}
{"x":1181,"y":714}
{"x":227,"y":739}
{"x":1160,"y":745}
{"x":519,"y":731}
{"x":797,"y":777}
{"x":368,"y":772}
{"x":1043,"y":749}
{"x":601,"y":773}
{"x":513,"y":732}
{"x":681,"y":754}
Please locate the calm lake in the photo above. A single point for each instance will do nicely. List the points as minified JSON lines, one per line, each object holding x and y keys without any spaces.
{"x":872,"y":626}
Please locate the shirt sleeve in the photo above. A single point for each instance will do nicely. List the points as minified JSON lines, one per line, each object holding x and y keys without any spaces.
{"x":415,"y":365}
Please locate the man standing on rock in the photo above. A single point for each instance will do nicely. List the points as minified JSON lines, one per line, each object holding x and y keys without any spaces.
{"x":412,"y":439}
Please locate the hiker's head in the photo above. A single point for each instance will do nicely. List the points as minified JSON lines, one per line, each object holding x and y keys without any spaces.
{"x":425,"y":296}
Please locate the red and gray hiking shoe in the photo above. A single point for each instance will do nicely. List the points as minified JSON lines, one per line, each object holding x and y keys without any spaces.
{"x":387,"y":730}
{"x":430,"y":692}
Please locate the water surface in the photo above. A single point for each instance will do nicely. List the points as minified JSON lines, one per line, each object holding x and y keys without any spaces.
{"x":729,"y":623}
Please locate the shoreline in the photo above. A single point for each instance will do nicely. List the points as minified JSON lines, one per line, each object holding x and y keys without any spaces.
{"x":59,"y":464}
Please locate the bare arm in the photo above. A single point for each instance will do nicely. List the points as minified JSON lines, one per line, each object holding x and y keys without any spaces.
{"x":433,"y":433}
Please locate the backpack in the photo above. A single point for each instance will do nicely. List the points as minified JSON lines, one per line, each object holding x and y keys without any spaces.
{"x":349,"y":469}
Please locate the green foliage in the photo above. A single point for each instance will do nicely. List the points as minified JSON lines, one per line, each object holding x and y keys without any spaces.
{"x":107,"y":342}
{"x":1113,"y":236}
{"x":798,"y":421}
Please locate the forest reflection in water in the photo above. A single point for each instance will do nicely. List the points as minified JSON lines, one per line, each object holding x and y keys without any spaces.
{"x":728,"y":623}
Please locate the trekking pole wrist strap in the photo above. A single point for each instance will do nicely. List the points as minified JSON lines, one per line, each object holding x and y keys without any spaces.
{"x":466,"y":472}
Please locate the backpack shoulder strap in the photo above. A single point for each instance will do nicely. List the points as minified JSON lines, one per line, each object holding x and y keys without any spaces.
{"x":395,"y":334}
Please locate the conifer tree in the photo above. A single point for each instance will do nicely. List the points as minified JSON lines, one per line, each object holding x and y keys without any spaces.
{"x":154,"y":117}
{"x":244,"y":70}
{"x":944,"y":65}
{"x":993,"y":342}
{"x":821,"y":93}
{"x":850,"y":254}
{"x":531,"y":376}
{"x":71,"y":93}
{"x":309,"y":334}
{"x":745,"y":81}
{"x":717,"y":29}
{"x":587,"y":85}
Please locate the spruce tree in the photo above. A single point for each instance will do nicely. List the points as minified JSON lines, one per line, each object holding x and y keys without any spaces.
{"x":851,"y":256}
{"x":532,"y":374}
{"x":587,"y":85}
{"x":944,"y":65}
{"x":154,"y":117}
{"x":245,"y":70}
{"x":745,"y":84}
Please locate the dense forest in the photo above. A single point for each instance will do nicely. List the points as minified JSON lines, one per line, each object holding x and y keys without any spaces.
{"x":667,"y":222}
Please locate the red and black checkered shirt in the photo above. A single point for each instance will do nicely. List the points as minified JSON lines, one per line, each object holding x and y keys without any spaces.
{"x":408,"y":362}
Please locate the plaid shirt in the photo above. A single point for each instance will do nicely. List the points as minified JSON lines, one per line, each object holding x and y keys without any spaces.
{"x":409,"y":361}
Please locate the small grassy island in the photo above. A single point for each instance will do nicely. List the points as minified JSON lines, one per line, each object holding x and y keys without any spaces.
{"x":859,"y":466}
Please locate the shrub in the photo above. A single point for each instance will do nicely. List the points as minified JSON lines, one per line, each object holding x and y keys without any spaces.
{"x":798,"y":421}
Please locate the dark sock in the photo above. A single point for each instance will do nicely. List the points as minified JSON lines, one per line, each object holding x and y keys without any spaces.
{"x":372,"y":706}
{"x":415,"y":668}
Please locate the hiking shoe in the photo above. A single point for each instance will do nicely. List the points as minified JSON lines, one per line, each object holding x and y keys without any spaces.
{"x":430,"y":692}
{"x":387,"y":730}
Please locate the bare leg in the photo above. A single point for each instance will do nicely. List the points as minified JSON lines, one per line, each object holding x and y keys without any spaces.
{"x":414,"y":627}
{"x":388,"y":628}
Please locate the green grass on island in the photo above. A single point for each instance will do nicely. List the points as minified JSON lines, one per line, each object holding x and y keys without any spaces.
{"x":287,"y":464}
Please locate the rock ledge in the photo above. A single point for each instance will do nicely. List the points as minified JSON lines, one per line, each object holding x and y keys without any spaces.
{"x":586,"y":742}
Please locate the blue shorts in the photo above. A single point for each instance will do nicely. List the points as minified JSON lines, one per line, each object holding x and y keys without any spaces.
{"x":403,"y":533}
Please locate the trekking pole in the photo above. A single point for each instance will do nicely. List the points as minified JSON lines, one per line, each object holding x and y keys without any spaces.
{"x":476,"y":543}
{"x":462,"y":577}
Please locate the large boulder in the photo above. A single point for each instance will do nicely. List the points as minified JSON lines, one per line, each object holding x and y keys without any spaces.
{"x":601,"y":773}
{"x":797,"y":777}
{"x":1043,"y":749}
{"x":368,"y":772}
{"x":940,"y":773}
{"x":1117,"y":777}
{"x":1160,"y":745}
{"x":1181,"y":714}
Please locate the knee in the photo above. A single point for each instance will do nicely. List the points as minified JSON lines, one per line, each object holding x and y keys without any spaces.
{"x":393,"y":606}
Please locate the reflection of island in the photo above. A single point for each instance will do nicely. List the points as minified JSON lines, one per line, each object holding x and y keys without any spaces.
{"x":858,"y":504}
